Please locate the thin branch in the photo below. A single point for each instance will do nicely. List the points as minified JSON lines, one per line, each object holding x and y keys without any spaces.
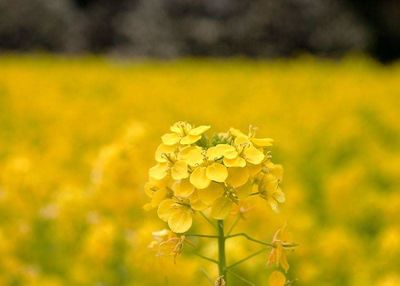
{"x":249,"y":238}
{"x":206,"y":258}
{"x":208,"y":220}
{"x":200,"y":235}
{"x":246,"y":258}
{"x":233,"y":225}
{"x":254,"y":194}
{"x":241,"y":278}
{"x":286,"y":245}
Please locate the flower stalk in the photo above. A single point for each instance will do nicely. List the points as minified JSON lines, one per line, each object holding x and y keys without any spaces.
{"x":221,"y":251}
{"x":211,"y":177}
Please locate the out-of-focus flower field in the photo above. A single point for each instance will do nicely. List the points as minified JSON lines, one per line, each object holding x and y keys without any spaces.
{"x":77,"y":136}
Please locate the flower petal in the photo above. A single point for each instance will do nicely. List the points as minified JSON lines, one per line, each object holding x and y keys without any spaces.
{"x":170,"y":139}
{"x":279,"y":196}
{"x":237,"y":162}
{"x":180,"y":220}
{"x":236,"y":132}
{"x":179,"y":170}
{"x":183,"y":188}
{"x":163,"y":149}
{"x":217,"y":172}
{"x":221,"y":208}
{"x":193,"y":155}
{"x":159,"y":171}
{"x":262,"y":142}
{"x":211,"y":193}
{"x":199,"y":130}
{"x":276,"y":278}
{"x":199,"y":179}
{"x":196,"y":203}
{"x":253,"y":155}
{"x":165,"y":209}
{"x":190,"y":139}
{"x":221,"y":150}
{"x":237,"y":177}
{"x":276,"y":170}
{"x":158,"y":197}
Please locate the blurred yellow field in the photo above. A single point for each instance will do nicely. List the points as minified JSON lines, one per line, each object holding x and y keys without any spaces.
{"x":77,"y":137}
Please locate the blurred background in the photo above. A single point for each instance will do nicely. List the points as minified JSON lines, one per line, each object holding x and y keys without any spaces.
{"x":175,"y":28}
{"x":88,"y":87}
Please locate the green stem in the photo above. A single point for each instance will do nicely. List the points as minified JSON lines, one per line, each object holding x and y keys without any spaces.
{"x":200,"y":235}
{"x":250,"y":238}
{"x":246,"y":258}
{"x":206,"y":258}
{"x":221,"y":251}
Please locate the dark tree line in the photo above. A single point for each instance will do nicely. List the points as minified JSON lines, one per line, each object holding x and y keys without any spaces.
{"x":171,"y":28}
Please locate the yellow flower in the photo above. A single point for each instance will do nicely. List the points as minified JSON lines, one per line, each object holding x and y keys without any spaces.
{"x":157,"y":191}
{"x":217,"y":174}
{"x":201,"y":177}
{"x":248,"y":149}
{"x":184,"y":133}
{"x":177,"y":214}
{"x":276,"y":278}
{"x":177,"y":169}
{"x":269,"y":186}
{"x":192,"y":155}
{"x":166,"y":243}
{"x":277,"y":255}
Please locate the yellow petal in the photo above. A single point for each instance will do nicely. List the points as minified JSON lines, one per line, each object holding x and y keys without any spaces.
{"x":183,"y":188}
{"x":253,"y":155}
{"x":276,"y":170}
{"x":159,"y":196}
{"x":180,"y":127}
{"x":273,"y":204}
{"x":221,"y":208}
{"x":254,"y":169}
{"x":176,"y":127}
{"x":214,"y":153}
{"x":245,"y":190}
{"x":159,"y":171}
{"x":211,"y":193}
{"x":199,"y":179}
{"x":230,"y":152}
{"x":279,"y":196}
{"x":237,"y":162}
{"x":221,"y":150}
{"x":193,"y":155}
{"x":180,"y":220}
{"x":236,"y":132}
{"x":149,"y":189}
{"x":284,"y":263}
{"x":199,"y":130}
{"x":190,"y":139}
{"x":276,"y":278}
{"x":196,"y":203}
{"x":217,"y":172}
{"x":262,"y":142}
{"x":179,"y":170}
{"x":163,"y":149}
{"x":170,"y":139}
{"x":237,"y":177}
{"x":241,"y":141}
{"x":165,"y":209}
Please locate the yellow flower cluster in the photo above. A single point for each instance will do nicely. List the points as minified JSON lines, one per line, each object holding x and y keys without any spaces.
{"x":195,"y":173}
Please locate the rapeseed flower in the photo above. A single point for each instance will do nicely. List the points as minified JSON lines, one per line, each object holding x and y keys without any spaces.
{"x":194,"y":173}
